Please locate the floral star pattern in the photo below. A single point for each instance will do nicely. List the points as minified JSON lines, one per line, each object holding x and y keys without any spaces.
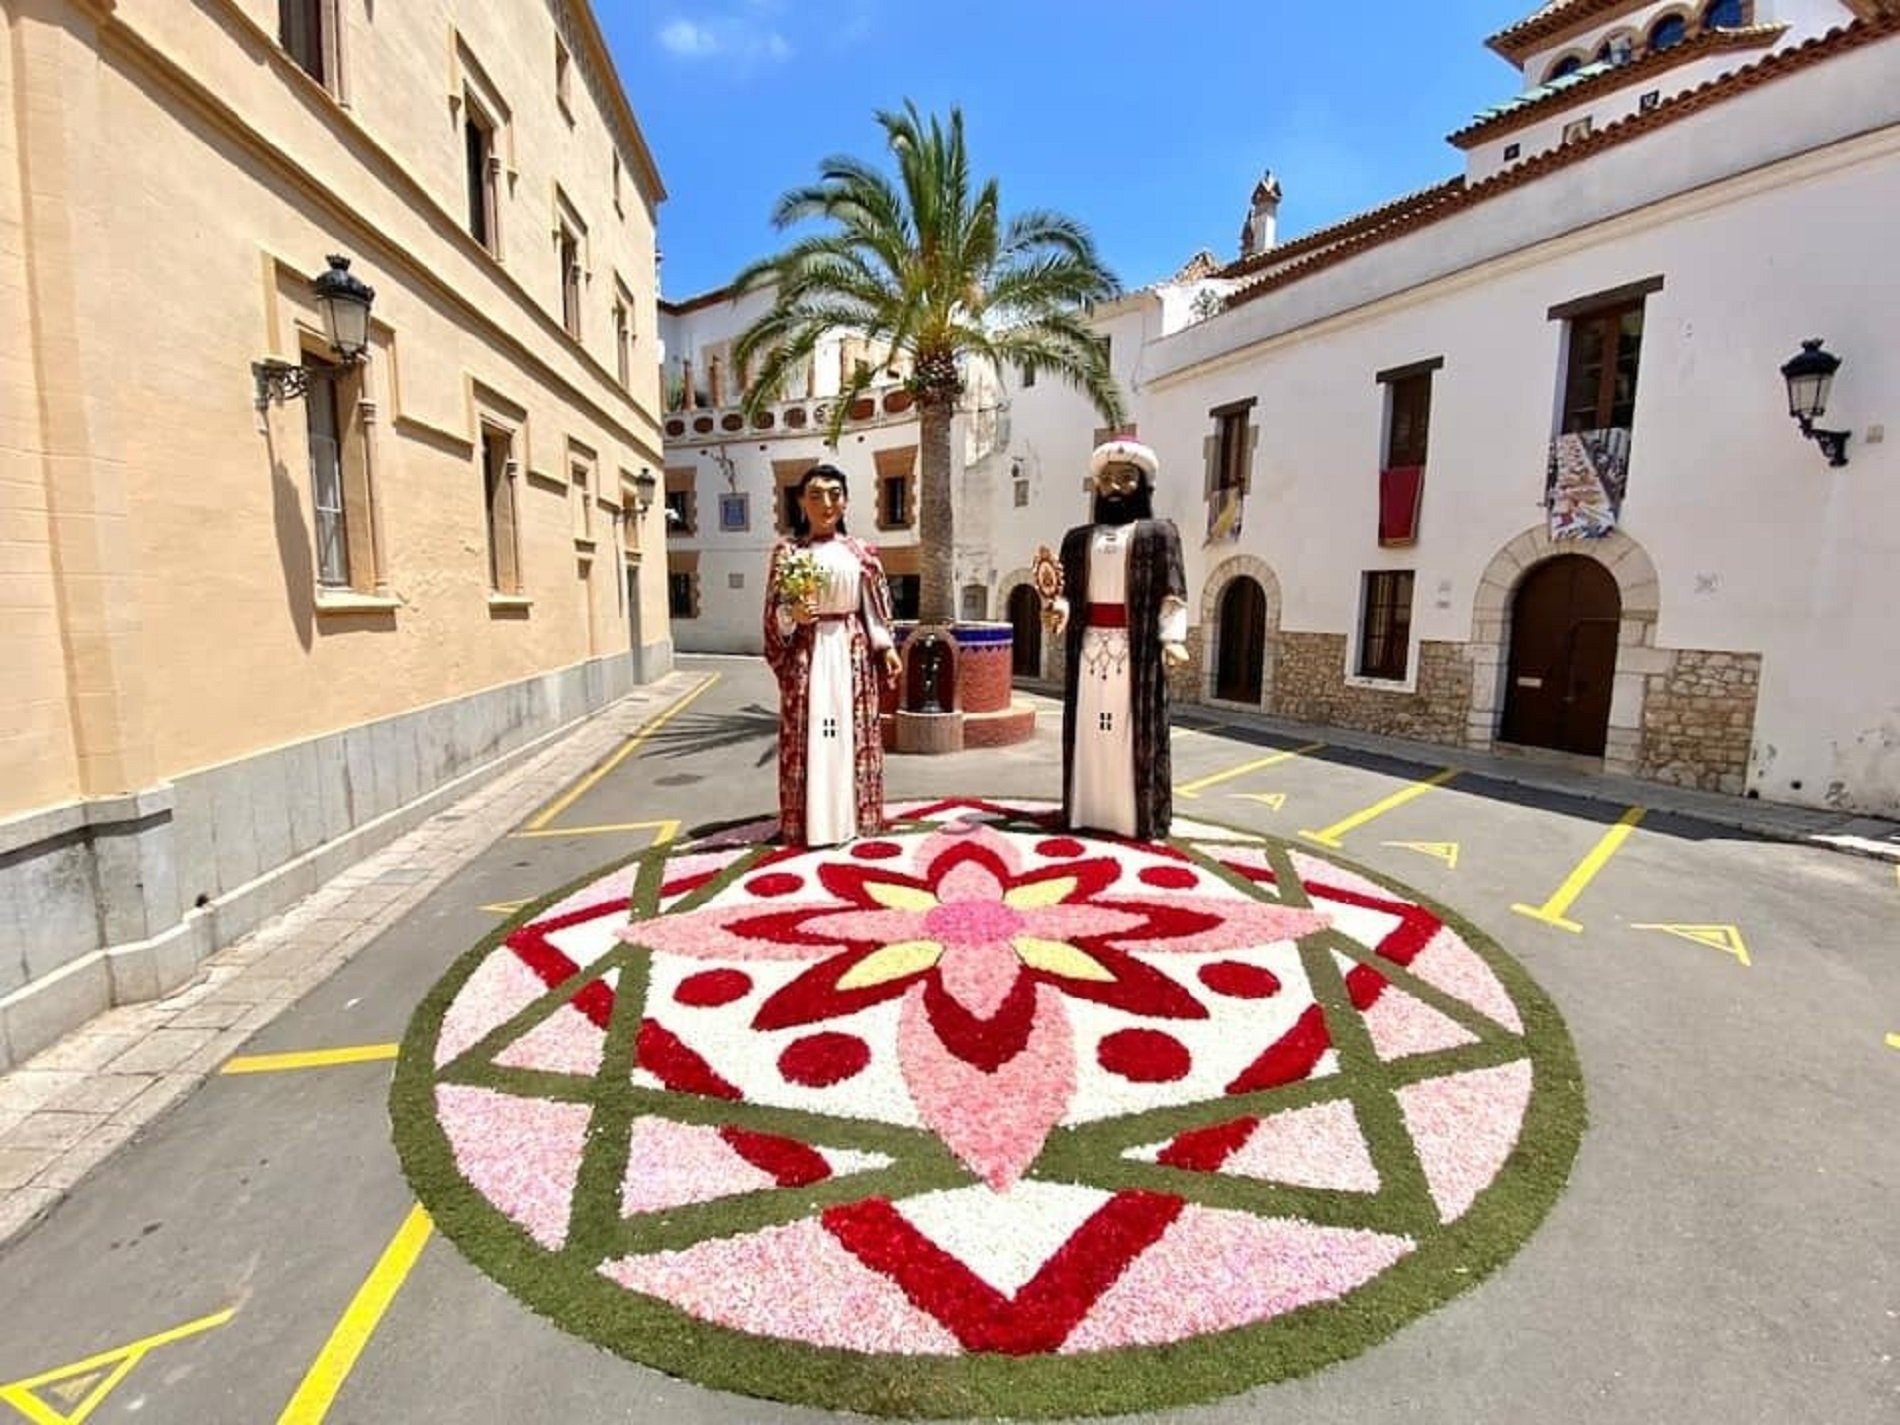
{"x":979,"y":1088}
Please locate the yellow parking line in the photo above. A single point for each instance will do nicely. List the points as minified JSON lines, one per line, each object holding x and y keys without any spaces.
{"x":1195,"y":788}
{"x":1330,"y":836}
{"x":332,"y":1366}
{"x":1551,"y":912}
{"x":309,"y":1059}
{"x":627,"y":749}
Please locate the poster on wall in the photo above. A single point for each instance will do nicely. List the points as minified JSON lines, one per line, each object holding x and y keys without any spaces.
{"x":1584,"y":482}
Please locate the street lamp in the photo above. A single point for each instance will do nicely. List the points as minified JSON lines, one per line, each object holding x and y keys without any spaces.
{"x":1810,"y":376}
{"x":343,"y":301}
{"x":644,"y":485}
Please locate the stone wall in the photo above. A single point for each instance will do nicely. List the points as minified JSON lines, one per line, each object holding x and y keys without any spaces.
{"x":1699,"y":720}
{"x":1309,"y":685}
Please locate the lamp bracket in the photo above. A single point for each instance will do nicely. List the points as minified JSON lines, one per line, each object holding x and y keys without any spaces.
{"x":279,"y":381}
{"x":1833,"y":443}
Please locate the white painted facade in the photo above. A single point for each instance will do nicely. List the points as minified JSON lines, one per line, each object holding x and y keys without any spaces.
{"x":1756,"y":211}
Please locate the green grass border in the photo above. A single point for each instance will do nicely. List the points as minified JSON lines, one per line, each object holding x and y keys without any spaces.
{"x":1447,"y":1262}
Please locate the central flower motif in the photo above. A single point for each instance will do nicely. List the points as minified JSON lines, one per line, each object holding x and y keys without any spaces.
{"x":985,"y":954}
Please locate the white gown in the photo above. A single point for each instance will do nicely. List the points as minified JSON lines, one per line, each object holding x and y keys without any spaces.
{"x":1102,"y":794}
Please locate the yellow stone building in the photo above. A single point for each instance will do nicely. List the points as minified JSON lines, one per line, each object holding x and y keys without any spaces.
{"x":262,"y":606}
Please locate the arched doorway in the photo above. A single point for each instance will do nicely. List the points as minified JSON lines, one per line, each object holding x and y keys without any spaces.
{"x":1025,"y":622}
{"x":1564,"y":622}
{"x":1242,"y":634}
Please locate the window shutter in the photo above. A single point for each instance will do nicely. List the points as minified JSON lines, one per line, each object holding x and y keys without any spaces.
{"x":1210,"y":458}
{"x":507,"y":574}
{"x":1246,"y":465}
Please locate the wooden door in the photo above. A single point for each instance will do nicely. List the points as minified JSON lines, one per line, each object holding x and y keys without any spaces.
{"x":1025,"y":621}
{"x":1564,"y":621}
{"x":1241,"y":659}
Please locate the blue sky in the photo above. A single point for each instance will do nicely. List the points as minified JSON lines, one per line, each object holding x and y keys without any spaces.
{"x":1149,"y":122}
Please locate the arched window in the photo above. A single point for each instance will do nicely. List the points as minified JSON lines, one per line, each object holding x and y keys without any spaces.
{"x":1668,"y":32}
{"x":1616,"y":50}
{"x":1723,"y":15}
{"x":1569,"y":64}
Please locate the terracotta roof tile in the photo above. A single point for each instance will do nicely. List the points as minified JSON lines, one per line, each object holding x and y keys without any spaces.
{"x":1516,"y":41}
{"x":1370,"y":220}
{"x":1771,"y":67}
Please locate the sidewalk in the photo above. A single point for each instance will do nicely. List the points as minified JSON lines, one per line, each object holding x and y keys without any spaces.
{"x":68,"y":1109}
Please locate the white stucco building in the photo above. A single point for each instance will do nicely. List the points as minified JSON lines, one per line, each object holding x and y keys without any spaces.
{"x":1507,"y":461}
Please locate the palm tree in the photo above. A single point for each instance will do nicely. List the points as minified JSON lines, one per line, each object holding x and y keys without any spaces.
{"x":926,"y":267}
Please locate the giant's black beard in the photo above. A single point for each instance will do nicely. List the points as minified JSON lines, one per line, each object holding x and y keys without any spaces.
{"x":1117,"y":509}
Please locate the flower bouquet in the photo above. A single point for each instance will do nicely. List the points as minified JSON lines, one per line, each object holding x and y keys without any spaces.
{"x":799,"y":576}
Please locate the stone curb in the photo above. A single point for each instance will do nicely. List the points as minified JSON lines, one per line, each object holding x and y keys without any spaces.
{"x":68,"y":1109}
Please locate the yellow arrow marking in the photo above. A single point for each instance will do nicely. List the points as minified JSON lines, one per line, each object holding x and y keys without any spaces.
{"x":90,"y":1381}
{"x":626,"y":750}
{"x":1446,"y":851}
{"x":1551,"y":912}
{"x":1726,"y":938}
{"x":359,"y":1321}
{"x":504,"y":907}
{"x":309,"y":1059}
{"x":1195,"y":788}
{"x":1330,"y":836}
{"x":1276,"y":800}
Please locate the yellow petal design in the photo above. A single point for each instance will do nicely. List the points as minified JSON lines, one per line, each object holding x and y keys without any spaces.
{"x":1059,"y":958}
{"x":895,"y":897}
{"x":893,"y":962}
{"x":1040,"y":893}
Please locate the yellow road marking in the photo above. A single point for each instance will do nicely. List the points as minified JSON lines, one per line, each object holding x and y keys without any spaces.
{"x":1195,"y":788}
{"x":1276,"y":800}
{"x":1726,"y":938}
{"x":95,"y":1376}
{"x":626,"y":750}
{"x":1446,"y":851}
{"x":1893,"y":1041}
{"x":667,"y":831}
{"x":308,"y":1059}
{"x":504,"y":907}
{"x":333,"y":1364}
{"x":1330,"y":836}
{"x":1551,"y":912}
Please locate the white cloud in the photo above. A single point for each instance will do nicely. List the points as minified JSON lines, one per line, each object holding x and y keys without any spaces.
{"x":743,"y":37}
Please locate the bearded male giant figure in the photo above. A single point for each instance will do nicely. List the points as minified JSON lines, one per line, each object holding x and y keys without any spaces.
{"x":1125,"y":615}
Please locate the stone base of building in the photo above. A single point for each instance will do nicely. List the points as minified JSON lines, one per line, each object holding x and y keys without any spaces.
{"x":120,"y":900}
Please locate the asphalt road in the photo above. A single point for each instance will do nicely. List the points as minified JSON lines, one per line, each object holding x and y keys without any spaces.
{"x":1727,"y":1251}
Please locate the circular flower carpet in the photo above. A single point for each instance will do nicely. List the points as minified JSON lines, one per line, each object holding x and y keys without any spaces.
{"x":979,"y":1117}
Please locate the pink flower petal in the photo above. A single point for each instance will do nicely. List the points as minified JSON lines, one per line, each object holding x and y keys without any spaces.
{"x":970,"y":881}
{"x":1465,"y":1126}
{"x":1402,"y":1025}
{"x":522,"y":1154}
{"x":995,"y":1122}
{"x":980,"y":977}
{"x":1319,"y":1146}
{"x":566,"y":1042}
{"x":1214,"y":1270}
{"x":672,"y":1164}
{"x":1454,"y":967}
{"x":791,"y":1283}
{"x":500,"y":987}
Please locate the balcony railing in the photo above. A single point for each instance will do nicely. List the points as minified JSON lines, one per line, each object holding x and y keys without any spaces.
{"x":881,"y":405}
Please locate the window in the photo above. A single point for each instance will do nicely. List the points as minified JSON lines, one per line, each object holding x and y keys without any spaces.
{"x":498,"y":470}
{"x":623,"y":342}
{"x":1029,"y":377}
{"x":1605,"y":350}
{"x":735,"y":516}
{"x":679,"y":504}
{"x":905,"y":589}
{"x":617,"y":207}
{"x":1230,"y":448}
{"x":1724,"y":15}
{"x":1617,"y":49}
{"x":1385,"y":624}
{"x":1668,"y":32}
{"x":894,"y":501}
{"x":301,"y":31}
{"x":478,"y":136}
{"x":679,"y":594}
{"x":562,"y":64}
{"x":1022,"y":494}
{"x":568,"y":254}
{"x":1409,"y":417}
{"x":583,"y":497}
{"x":325,"y":434}
{"x":1568,"y":65}
{"x":792,"y":512}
